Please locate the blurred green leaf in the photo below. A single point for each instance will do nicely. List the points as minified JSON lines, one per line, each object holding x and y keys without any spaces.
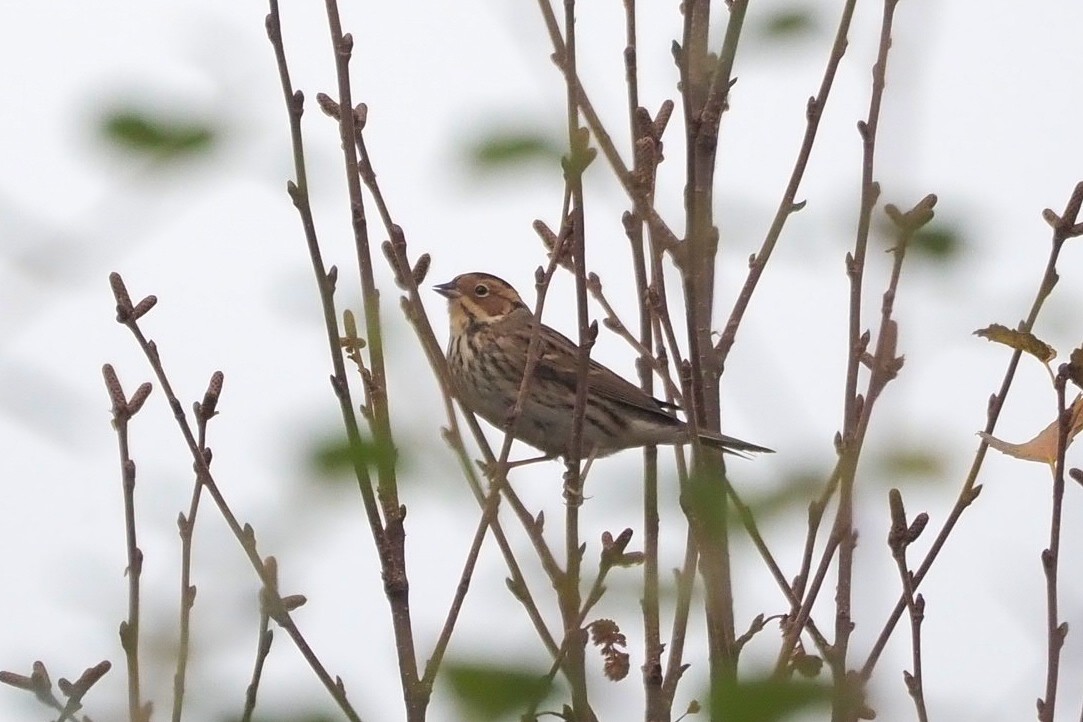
{"x":788,"y":23}
{"x":913,"y":462}
{"x":139,"y":131}
{"x":501,"y":149}
{"x":703,"y":497}
{"x":489,"y":692}
{"x":302,"y":717}
{"x":767,"y":699}
{"x":790,"y":496}
{"x":703,"y":501}
{"x":336,"y":456}
{"x":937,"y":242}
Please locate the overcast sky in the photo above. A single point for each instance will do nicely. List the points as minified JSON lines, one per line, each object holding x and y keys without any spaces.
{"x":983,"y":108}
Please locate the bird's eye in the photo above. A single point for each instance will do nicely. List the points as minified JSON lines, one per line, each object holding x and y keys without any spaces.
{"x":481,"y":290}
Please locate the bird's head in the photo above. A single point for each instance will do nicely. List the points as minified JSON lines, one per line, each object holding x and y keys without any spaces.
{"x":475,"y":298}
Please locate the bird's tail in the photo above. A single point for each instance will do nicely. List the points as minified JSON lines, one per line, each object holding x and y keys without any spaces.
{"x":731,"y":445}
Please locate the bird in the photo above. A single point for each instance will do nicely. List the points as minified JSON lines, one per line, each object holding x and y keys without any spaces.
{"x":490,"y":336}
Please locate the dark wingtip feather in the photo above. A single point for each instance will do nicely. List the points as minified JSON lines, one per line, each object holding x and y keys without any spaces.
{"x":732,"y":445}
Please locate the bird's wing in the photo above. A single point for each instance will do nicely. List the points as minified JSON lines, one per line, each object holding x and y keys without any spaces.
{"x":559,"y":359}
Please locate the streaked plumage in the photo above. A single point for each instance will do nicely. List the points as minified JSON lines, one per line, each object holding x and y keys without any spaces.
{"x":487,"y":354}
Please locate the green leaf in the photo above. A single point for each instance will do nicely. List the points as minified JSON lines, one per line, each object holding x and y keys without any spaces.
{"x":788,"y":23}
{"x":501,"y":149}
{"x":309,"y":716}
{"x":913,"y":461}
{"x":140,"y":132}
{"x":336,"y":456}
{"x":703,"y":501}
{"x":490,"y":692}
{"x":788,"y":497}
{"x":767,"y":699}
{"x":937,"y":243}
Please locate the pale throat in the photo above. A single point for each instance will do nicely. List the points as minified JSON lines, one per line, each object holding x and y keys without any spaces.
{"x":459,"y":319}
{"x":462,"y":318}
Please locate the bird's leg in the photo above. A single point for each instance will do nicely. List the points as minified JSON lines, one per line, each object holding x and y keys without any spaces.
{"x":574,"y":495}
{"x":586,"y":467}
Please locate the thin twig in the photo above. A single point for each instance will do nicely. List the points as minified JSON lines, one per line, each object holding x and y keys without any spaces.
{"x":1064,"y":226}
{"x":901,"y":536}
{"x":489,"y":511}
{"x":788,"y":204}
{"x":663,"y":235}
{"x":325,"y":279}
{"x":573,"y":669}
{"x":612,"y":553}
{"x":497,"y":467}
{"x":704,"y":90}
{"x":123,"y":410}
{"x":244,"y":534}
{"x":686,"y":579}
{"x":408,"y":276}
{"x":656,"y":705}
{"x":342,"y":44}
{"x":1055,"y":630}
{"x":686,"y":576}
{"x":517,"y":582}
{"x":744,"y":512}
{"x":569,"y":593}
{"x":41,"y":686}
{"x":263,"y":649}
{"x":613,"y":323}
{"x":204,"y":412}
{"x":498,"y":471}
{"x":388,"y":533}
{"x":817,"y":508}
{"x":884,"y":364}
{"x":855,"y":414}
{"x":391,"y":543}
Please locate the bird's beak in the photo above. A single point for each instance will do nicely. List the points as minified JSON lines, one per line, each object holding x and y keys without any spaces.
{"x":447,"y":290}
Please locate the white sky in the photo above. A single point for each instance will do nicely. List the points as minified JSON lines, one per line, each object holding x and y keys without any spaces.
{"x":982,"y":108}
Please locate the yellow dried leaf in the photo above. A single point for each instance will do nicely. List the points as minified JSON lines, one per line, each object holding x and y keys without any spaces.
{"x":1042,"y":447}
{"x":1020,"y":340}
